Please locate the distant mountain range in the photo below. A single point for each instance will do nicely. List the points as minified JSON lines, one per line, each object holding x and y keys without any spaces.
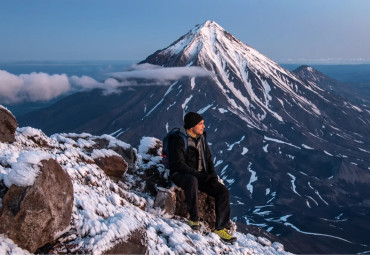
{"x":358,"y":93}
{"x":295,"y":157}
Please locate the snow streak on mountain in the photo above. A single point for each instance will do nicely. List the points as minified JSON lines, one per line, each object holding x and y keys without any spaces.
{"x":294,"y":156}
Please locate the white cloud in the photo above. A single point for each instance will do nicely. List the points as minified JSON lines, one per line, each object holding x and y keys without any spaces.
{"x":44,"y":87}
{"x":109,"y":86}
{"x":161,"y":74}
{"x":31,"y":87}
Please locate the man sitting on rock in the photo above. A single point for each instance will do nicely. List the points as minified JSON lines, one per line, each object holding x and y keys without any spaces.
{"x":193,"y":169}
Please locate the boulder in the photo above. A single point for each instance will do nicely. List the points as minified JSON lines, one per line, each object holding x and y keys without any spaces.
{"x":8,"y":125}
{"x":206,"y":207}
{"x":129,"y":154}
{"x":166,"y":200}
{"x":137,"y":243}
{"x":35,"y":215}
{"x":172,"y":201}
{"x":113,"y":166}
{"x":154,"y":178}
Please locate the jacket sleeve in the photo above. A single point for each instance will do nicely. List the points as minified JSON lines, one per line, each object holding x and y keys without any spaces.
{"x":177,"y":158}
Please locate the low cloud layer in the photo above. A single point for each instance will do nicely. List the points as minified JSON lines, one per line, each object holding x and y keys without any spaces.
{"x":44,"y":87}
{"x":31,"y":87}
{"x":160,"y":74}
{"x":109,"y":86}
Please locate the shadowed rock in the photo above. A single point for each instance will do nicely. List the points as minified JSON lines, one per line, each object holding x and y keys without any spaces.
{"x":137,"y":243}
{"x":8,"y":125}
{"x":128,"y":153}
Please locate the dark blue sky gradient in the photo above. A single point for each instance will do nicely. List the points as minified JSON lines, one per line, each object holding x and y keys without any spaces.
{"x":289,"y":31}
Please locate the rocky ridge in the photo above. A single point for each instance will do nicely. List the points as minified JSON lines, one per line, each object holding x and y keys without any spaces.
{"x":85,"y":195}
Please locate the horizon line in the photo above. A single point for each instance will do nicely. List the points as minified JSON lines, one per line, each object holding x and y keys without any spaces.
{"x":282,"y":62}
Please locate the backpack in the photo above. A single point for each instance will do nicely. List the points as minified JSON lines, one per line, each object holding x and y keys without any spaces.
{"x":166,"y":145}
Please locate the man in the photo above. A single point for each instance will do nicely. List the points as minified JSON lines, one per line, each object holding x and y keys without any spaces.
{"x":193,"y":169}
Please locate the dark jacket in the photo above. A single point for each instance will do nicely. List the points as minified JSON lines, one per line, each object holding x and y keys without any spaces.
{"x":187,"y":161}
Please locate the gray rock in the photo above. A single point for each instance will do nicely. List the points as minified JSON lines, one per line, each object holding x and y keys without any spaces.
{"x":166,"y":200}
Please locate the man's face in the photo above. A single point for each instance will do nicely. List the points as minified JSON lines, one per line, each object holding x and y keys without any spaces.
{"x":199,"y":128}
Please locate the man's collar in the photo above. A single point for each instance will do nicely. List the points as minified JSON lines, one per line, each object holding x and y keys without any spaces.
{"x":189,"y":133}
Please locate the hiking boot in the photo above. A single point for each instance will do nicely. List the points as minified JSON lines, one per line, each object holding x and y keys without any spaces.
{"x":225,"y":236}
{"x":195,"y":225}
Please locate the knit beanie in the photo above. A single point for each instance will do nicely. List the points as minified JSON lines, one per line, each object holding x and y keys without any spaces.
{"x":191,"y":119}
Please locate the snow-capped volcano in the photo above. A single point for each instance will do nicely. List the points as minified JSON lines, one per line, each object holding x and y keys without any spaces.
{"x":252,"y":86}
{"x":294,"y":156}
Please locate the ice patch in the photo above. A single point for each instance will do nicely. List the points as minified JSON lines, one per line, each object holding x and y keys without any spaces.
{"x":204,"y":109}
{"x":317,"y":193}
{"x":268,"y":191}
{"x":245,"y":150}
{"x":307,"y":147}
{"x":279,"y":141}
{"x":293,"y":187}
{"x":327,"y":153}
{"x":315,"y":234}
{"x":265,"y":148}
{"x":232,"y":145}
{"x":222,"y":110}
{"x":192,"y":82}
{"x":252,"y":179}
{"x":219,"y":162}
{"x":187,"y":100}
{"x":364,"y":150}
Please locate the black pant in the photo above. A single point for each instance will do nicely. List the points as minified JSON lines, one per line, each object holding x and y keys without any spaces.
{"x":190,"y":184}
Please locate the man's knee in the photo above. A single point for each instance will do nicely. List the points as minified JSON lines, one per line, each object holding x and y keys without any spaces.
{"x":222,"y":191}
{"x":185,"y":181}
{"x":191,"y":182}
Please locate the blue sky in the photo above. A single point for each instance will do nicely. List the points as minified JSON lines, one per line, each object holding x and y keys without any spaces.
{"x":287,"y":31}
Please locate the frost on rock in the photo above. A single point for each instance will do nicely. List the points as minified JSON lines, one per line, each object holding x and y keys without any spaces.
{"x":7,"y":246}
{"x":24,"y":166}
{"x":107,"y":211}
